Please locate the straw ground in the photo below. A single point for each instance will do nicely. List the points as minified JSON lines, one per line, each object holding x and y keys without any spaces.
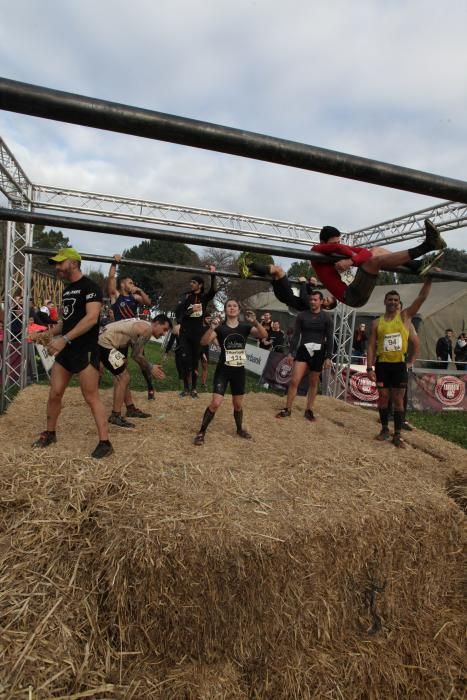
{"x":311,"y":562}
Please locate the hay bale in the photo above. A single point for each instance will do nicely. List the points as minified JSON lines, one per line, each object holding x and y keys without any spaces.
{"x":300,"y":566}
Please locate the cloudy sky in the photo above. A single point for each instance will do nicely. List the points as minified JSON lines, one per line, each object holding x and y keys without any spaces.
{"x":383,"y":79}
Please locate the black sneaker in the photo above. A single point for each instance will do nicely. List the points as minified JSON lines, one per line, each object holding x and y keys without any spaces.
{"x":134,"y":412}
{"x":103,"y":449}
{"x":309,"y":415}
{"x":151,"y":396}
{"x":184,"y":393}
{"x":199,"y":439}
{"x":45,"y":439}
{"x":433,"y":236}
{"x":283,"y":413}
{"x":397,"y":441}
{"x":194,"y":394}
{"x":244,"y":434}
{"x":383,"y":435}
{"x":120,"y":421}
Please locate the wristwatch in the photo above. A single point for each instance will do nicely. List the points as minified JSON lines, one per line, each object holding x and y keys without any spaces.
{"x":369,"y":369}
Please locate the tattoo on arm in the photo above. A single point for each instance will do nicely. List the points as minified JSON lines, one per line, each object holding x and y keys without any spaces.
{"x":138,"y":352}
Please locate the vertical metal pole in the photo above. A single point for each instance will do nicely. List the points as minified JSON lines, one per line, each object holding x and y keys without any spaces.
{"x":9,"y":244}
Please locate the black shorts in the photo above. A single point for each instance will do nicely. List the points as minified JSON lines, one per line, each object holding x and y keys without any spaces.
{"x":74,"y":360}
{"x":204,"y":350}
{"x":283,"y":292}
{"x":391,"y":375}
{"x":315,"y":363}
{"x":223,"y":376}
{"x":361,"y":289}
{"x":104,"y":358}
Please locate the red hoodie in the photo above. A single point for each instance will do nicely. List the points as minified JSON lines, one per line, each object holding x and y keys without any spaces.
{"x":328,"y":274}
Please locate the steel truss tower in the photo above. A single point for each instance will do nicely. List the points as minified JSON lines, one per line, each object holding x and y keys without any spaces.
{"x":22,"y":194}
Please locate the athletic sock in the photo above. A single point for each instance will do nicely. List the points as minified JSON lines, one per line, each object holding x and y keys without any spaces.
{"x":398,"y":420}
{"x":384,"y":418}
{"x":207,"y":418}
{"x":238,"y":415}
{"x":186,"y":386}
{"x":130,"y":406}
{"x":419,"y":250}
{"x":262,"y":270}
{"x":117,"y":413}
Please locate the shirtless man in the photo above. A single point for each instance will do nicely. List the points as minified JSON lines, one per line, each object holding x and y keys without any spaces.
{"x":113,"y":346}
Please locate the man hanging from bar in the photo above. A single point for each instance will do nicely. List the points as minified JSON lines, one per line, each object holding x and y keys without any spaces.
{"x":368,"y":261}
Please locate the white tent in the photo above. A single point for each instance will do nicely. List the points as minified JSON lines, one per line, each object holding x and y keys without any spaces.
{"x":446,"y":307}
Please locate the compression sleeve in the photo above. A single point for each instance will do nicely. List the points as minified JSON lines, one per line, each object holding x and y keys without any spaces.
{"x":358,"y":255}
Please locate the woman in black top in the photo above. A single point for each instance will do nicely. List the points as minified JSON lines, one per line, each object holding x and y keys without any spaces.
{"x":231,"y":337}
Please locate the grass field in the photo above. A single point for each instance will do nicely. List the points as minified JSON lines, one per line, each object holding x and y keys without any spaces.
{"x":451,"y":425}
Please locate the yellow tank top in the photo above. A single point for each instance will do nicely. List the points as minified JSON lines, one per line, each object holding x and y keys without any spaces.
{"x":391,"y":340}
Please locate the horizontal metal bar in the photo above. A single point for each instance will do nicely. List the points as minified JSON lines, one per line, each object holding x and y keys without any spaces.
{"x":46,"y":253}
{"x":99,"y":226}
{"x":112,"y":116}
{"x":24,"y":216}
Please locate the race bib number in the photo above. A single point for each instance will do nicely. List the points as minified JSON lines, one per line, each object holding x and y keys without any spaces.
{"x":392,"y":342}
{"x":116,"y":358}
{"x":312,"y":348}
{"x":235,"y":358}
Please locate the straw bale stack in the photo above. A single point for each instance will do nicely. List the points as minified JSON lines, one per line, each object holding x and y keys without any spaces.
{"x":311,"y":562}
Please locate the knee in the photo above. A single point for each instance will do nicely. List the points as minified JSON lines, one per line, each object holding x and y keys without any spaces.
{"x":214,"y":405}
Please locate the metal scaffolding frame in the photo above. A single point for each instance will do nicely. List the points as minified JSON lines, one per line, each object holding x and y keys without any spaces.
{"x":22,"y":194}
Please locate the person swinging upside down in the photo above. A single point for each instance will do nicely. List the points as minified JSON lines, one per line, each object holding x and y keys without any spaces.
{"x":369,"y":263}
{"x":231,"y":336}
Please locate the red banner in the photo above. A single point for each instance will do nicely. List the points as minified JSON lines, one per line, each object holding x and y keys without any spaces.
{"x":430,"y":391}
{"x":362,"y":391}
{"x":277,"y":373}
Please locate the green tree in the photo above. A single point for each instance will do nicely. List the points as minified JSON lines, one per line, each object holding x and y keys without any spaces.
{"x":99,"y":278}
{"x":161,"y":285}
{"x":301,"y":268}
{"x":52,"y":240}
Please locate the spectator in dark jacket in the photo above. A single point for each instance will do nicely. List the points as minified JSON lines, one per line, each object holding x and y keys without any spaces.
{"x":460,"y":352}
{"x":444,"y":353}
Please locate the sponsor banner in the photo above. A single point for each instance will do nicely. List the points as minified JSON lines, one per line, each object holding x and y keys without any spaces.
{"x":431,"y":391}
{"x":362,"y":391}
{"x":277,"y":373}
{"x":256,"y":358}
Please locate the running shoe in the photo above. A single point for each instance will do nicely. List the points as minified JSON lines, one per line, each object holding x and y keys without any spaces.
{"x":194,"y":394}
{"x":397,"y":441}
{"x":199,"y":439}
{"x":184,"y":393}
{"x":134,"y":412}
{"x":383,"y":435}
{"x":151,"y":396}
{"x":429,"y":265}
{"x":283,"y":413}
{"x":309,"y":415}
{"x":243,"y":262}
{"x":244,"y":434}
{"x":45,"y":439}
{"x":406,"y":426}
{"x":103,"y":449}
{"x":120,"y":421}
{"x":433,"y":236}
